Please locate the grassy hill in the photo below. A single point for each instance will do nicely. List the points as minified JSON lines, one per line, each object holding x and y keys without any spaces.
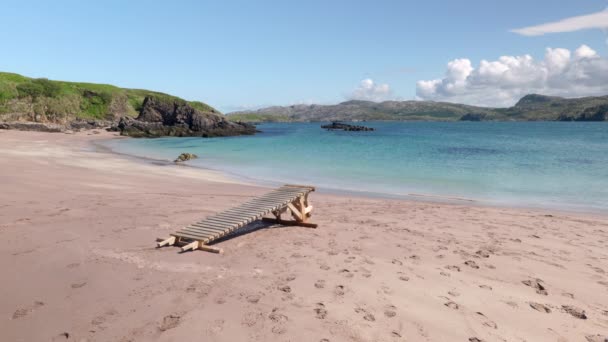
{"x":529,"y":108}
{"x":42,"y":100}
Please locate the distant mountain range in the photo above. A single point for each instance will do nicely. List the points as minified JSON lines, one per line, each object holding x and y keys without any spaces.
{"x":531,"y":107}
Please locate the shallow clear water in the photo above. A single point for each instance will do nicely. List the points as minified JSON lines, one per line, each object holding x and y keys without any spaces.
{"x":536,"y":164}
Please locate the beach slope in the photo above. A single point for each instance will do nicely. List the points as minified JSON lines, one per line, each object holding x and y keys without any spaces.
{"x":78,"y":227}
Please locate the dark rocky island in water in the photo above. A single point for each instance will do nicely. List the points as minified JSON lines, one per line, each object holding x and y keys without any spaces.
{"x":345,"y":127}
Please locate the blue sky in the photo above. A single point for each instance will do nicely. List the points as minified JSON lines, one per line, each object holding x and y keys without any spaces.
{"x":235,"y":54}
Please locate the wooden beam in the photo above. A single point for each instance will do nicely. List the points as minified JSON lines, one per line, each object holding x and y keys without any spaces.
{"x":290,"y":223}
{"x":168,"y":241}
{"x":191,"y":246}
{"x":308,"y":209}
{"x":211,"y":249}
{"x":294,"y":211}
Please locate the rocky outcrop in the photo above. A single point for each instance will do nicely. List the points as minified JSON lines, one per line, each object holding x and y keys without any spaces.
{"x":345,"y":127}
{"x":473,"y":117}
{"x":185,"y":157}
{"x":33,"y":126}
{"x":76,"y":125}
{"x":597,"y":113}
{"x":170,"y":117}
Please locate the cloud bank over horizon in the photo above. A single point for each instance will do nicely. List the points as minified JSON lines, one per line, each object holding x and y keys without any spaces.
{"x":368,"y":90}
{"x":503,"y":82}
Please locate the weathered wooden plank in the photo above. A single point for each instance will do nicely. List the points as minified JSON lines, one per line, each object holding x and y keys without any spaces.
{"x":202,"y":231}
{"x":211,"y":249}
{"x":191,"y":246}
{"x":220,"y":220}
{"x":190,"y":236}
{"x":252,"y":216}
{"x":199,"y":235}
{"x":295,"y":212}
{"x":169,"y":241}
{"x":239,"y":223}
{"x":210,"y":225}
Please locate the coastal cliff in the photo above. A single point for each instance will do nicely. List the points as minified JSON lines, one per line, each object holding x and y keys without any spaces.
{"x":39,"y":104}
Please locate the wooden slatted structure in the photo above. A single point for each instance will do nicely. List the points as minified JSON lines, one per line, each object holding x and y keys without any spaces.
{"x":292,"y":198}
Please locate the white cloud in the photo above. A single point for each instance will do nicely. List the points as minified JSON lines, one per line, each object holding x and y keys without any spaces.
{"x":369,"y":90}
{"x":504,"y":81}
{"x":597,"y":20}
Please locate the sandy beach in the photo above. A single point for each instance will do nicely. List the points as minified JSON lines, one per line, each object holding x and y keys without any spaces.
{"x":79,"y":262}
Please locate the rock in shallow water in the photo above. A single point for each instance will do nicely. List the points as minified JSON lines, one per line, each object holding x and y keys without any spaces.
{"x":185,"y":157}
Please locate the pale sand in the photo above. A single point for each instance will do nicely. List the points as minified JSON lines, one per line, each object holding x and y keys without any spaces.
{"x":78,"y":231}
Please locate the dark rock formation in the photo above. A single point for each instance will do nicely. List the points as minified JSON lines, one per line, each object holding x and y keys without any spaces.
{"x":161,"y":117}
{"x":185,"y":157}
{"x":473,"y":117}
{"x":597,"y":113}
{"x":76,"y":125}
{"x":33,"y":126}
{"x":346,"y":127}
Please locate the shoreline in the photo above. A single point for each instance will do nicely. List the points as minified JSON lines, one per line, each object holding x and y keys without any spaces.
{"x":79,"y":229}
{"x":414,"y":197}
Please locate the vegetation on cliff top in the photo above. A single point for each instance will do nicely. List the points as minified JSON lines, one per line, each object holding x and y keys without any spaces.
{"x":530,"y":108}
{"x":42,"y":100}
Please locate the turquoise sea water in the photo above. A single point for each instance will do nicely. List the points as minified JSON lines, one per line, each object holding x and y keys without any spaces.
{"x":532,"y":164}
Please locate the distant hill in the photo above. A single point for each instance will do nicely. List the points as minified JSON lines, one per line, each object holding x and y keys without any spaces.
{"x":530,"y":108}
{"x":45,"y":101}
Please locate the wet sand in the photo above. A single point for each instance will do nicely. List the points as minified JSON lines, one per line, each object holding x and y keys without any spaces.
{"x":79,"y":226}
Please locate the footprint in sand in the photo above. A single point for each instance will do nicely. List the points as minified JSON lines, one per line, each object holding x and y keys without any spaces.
{"x":339,"y":290}
{"x":452,"y":305}
{"x":169,"y":322}
{"x":445,"y":274}
{"x":486,"y":322}
{"x":403,"y":277}
{"x":320,"y":284}
{"x":320,"y":311}
{"x":365,"y":272}
{"x":471,"y":264}
{"x":397,"y":262}
{"x":453,"y":268}
{"x":483,"y":253}
{"x":19,"y":313}
{"x":284,"y":288}
{"x":540,"y":307}
{"x":574,"y":311}
{"x":279,"y":319}
{"x":346,"y":273}
{"x":324,"y":267}
{"x":390,"y":311}
{"x":536,"y":284}
{"x":596,"y":338}
{"x":475,"y":339}
{"x":78,"y":285}
{"x":250,"y":319}
{"x":368,"y":316}
{"x":485,"y":287}
{"x":253,"y":298}
{"x":453,"y":294}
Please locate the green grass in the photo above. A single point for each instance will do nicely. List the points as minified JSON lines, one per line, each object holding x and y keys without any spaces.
{"x":253,"y":117}
{"x":48,"y":100}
